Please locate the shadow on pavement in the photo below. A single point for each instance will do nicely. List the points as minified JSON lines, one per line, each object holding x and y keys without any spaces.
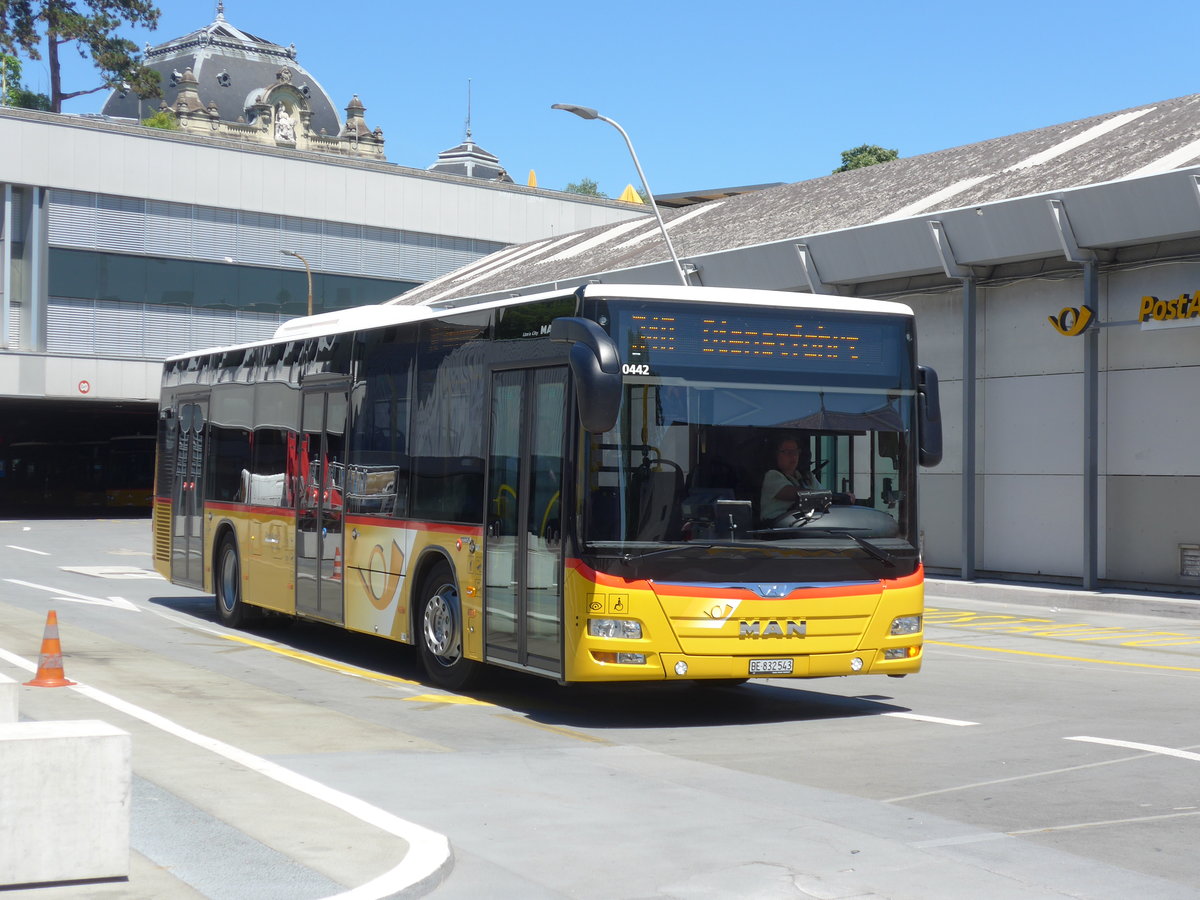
{"x":600,"y":706}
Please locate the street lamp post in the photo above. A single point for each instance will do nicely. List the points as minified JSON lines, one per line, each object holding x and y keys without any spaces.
{"x":586,"y":112}
{"x":307,"y":272}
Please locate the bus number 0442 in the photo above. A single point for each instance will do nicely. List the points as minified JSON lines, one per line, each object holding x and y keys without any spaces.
{"x":635,"y":369}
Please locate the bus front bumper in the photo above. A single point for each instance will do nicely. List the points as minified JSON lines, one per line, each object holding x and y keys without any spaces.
{"x":681,"y":666}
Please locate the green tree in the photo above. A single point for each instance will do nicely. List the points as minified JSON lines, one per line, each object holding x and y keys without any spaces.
{"x":865,"y":155}
{"x":585,"y":186}
{"x":91,"y":25}
{"x":164,"y":119}
{"x":27,"y":99}
{"x":14,"y":93}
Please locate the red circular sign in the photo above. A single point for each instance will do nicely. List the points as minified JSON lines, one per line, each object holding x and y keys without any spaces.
{"x":84,"y":387}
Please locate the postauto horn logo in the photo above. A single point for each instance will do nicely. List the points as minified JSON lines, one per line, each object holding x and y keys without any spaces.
{"x":1072,"y":321}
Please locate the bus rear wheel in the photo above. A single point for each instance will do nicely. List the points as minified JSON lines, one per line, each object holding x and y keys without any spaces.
{"x":227,"y":585}
{"x":440,"y":632}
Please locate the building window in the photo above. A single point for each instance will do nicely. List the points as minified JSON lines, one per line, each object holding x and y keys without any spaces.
{"x":91,"y":275}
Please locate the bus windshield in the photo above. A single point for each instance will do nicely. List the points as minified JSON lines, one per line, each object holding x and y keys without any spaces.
{"x":775,"y":431}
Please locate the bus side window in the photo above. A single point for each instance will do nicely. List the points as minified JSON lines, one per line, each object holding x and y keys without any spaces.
{"x":268,"y":476}
{"x":446,"y":441}
{"x":228,"y":457}
{"x":378,"y":463}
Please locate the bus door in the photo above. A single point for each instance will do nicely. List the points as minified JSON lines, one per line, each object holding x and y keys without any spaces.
{"x":523,"y":555}
{"x":187,"y":492}
{"x":321,"y":473}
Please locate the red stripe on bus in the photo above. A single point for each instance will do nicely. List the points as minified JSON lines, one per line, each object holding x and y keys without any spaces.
{"x":279,"y":512}
{"x":440,"y":527}
{"x":683,"y":590}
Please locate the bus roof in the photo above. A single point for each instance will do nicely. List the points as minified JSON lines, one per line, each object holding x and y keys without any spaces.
{"x":378,"y":316}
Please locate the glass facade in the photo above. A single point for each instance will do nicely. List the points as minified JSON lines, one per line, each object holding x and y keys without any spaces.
{"x":93,"y":275}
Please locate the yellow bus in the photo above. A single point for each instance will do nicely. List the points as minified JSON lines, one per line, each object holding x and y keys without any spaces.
{"x":575,"y":484}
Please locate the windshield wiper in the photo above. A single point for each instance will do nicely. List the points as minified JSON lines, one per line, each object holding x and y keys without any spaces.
{"x":878,"y":552}
{"x":628,"y":558}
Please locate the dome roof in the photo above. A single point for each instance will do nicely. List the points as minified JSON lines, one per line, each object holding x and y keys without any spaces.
{"x":470,"y":160}
{"x":231,"y":67}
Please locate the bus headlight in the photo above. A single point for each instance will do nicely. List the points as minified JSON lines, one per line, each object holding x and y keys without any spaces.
{"x":906,"y":625}
{"x":628,"y":659}
{"x":615,"y":628}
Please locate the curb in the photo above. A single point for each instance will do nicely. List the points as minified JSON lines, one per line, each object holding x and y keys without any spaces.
{"x":1145,"y":604}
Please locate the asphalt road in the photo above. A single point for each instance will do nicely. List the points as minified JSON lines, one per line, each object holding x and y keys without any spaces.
{"x":1043,"y":751}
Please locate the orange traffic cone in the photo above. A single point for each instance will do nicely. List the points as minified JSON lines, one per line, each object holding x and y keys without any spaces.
{"x":337,"y":564}
{"x":50,"y":664}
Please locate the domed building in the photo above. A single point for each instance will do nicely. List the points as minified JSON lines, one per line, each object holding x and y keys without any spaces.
{"x":224,"y":81}
{"x":470,"y":160}
{"x":152,"y":242}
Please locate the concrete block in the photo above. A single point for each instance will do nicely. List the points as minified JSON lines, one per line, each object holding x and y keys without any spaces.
{"x":8,"y":700}
{"x":64,"y":801}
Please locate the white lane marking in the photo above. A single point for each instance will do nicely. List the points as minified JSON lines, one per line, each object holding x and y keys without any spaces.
{"x":1132,"y":745}
{"x":934,"y":719}
{"x":27,"y":550}
{"x":1103,"y":822}
{"x":962,"y":839}
{"x":427,"y":853}
{"x":112,"y":571}
{"x":992,"y":781}
{"x":71,"y":597}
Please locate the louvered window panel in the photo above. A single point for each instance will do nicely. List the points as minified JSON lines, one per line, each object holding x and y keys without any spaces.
{"x":417,"y":260}
{"x":214,"y":233}
{"x":257,"y":326}
{"x":168,"y":228}
{"x":14,"y":327}
{"x":302,"y":235}
{"x":211,"y":328}
{"x":119,"y":328}
{"x":120,"y":223}
{"x":70,"y":326}
{"x":342,"y":251}
{"x":381,"y":252}
{"x":72,"y":219}
{"x":258,"y":239}
{"x":453,"y":253}
{"x":168,"y":331}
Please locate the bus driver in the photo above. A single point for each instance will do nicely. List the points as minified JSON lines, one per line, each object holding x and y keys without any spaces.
{"x":780,"y":486}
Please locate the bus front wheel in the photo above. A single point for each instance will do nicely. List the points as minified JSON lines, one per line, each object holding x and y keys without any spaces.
{"x":440,"y":632}
{"x":231,"y":610}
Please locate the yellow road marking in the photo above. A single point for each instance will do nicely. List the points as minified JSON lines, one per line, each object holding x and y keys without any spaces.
{"x":317,"y":660}
{"x":565,"y":732}
{"x":1103,"y":662}
{"x":449,"y":698}
{"x":1037,"y":626}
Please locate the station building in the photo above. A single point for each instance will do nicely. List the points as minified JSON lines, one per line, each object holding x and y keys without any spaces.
{"x":1055,"y":276}
{"x":122,"y":244}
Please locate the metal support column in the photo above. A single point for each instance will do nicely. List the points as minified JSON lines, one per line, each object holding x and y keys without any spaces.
{"x":6,"y":239}
{"x":953,"y":269}
{"x":809,"y":267}
{"x":1091,"y":392}
{"x":37,"y":251}
{"x":968,"y":428}
{"x":1091,"y":430}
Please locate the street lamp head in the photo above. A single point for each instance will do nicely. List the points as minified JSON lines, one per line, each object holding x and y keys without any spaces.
{"x":290,"y":253}
{"x":584,"y":112}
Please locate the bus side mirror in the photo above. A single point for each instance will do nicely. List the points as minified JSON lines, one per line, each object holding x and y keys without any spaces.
{"x":597,"y":369}
{"x":929,"y":417}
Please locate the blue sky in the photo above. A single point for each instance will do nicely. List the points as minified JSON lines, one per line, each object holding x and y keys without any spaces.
{"x":712,"y":94}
